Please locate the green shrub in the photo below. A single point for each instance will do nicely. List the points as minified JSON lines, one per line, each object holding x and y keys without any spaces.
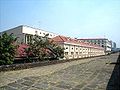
{"x":7,"y":49}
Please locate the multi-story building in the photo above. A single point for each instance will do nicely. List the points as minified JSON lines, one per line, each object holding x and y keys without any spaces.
{"x":113,"y":45}
{"x":103,"y":42}
{"x":74,"y":48}
{"x":25,"y":33}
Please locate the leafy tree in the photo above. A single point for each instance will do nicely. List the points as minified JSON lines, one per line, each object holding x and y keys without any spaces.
{"x":7,"y":48}
{"x":43,"y":48}
{"x":57,"y":50}
{"x":36,"y":47}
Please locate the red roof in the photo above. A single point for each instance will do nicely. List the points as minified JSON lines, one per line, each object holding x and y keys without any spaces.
{"x":92,"y":39}
{"x":63,"y":39}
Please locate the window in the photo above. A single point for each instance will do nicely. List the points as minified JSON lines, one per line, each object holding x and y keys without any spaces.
{"x":72,"y":48}
{"x":76,"y":48}
{"x":76,"y":53}
{"x":66,"y":53}
{"x":40,"y":32}
{"x":25,"y":38}
{"x":80,"y":52}
{"x":28,"y":38}
{"x":36,"y":32}
{"x":102,"y":45}
{"x":98,"y":41}
{"x":31,"y":38}
{"x":80,"y":48}
{"x":72,"y":53}
{"x":66,"y":47}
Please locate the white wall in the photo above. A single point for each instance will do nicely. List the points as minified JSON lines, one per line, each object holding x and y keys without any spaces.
{"x":20,"y":32}
{"x":33,"y":31}
{"x":81,"y":51}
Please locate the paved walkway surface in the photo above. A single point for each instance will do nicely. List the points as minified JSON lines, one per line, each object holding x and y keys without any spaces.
{"x":85,"y":74}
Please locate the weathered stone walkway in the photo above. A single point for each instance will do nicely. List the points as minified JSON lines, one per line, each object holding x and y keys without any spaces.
{"x":86,"y":74}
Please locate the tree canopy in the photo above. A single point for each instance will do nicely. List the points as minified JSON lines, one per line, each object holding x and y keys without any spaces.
{"x":43,"y":48}
{"x":7,"y":48}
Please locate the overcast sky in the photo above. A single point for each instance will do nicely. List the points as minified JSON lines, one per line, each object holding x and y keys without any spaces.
{"x":73,"y":18}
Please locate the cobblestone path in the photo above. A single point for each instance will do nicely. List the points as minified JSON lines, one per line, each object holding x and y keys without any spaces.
{"x":91,"y":75}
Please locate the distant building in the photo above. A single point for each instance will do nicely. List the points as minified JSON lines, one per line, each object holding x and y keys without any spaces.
{"x":113,"y":45}
{"x":114,"y":48}
{"x":74,"y":48}
{"x":103,"y":42}
{"x":25,"y":33}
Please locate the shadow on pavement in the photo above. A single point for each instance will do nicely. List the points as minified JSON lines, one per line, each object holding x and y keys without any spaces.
{"x":114,"y":81}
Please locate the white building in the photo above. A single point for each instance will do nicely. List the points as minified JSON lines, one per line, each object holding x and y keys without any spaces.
{"x":73,"y":48}
{"x":25,"y":33}
{"x":113,"y":46}
{"x":103,"y":42}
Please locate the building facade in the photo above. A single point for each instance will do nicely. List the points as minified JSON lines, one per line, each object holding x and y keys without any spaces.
{"x":113,"y":49}
{"x":25,"y":33}
{"x":74,"y":48}
{"x":103,"y":42}
{"x":113,"y":45}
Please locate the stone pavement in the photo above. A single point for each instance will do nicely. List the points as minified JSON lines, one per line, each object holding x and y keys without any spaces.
{"x":86,"y":74}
